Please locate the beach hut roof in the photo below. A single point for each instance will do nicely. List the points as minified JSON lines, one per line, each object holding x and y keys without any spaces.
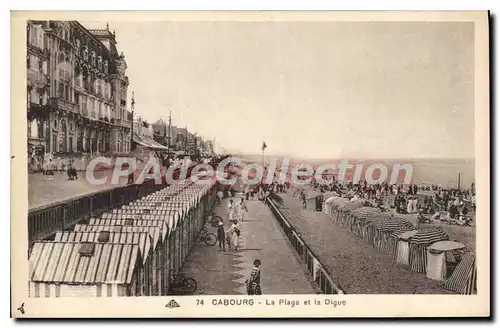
{"x":338,"y":202}
{"x":310,"y":193}
{"x":446,"y":245}
{"x":395,"y":224}
{"x":138,"y":238}
{"x":351,"y":205}
{"x":405,"y":235}
{"x":331,"y":199}
{"x":147,"y":221}
{"x":62,"y":262}
{"x":428,"y":236}
{"x":365,"y":212}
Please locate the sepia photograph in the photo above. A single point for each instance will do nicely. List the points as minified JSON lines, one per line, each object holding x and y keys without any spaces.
{"x":258,"y":164}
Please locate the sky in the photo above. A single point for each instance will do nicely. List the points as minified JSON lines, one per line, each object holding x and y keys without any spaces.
{"x":308,"y":89}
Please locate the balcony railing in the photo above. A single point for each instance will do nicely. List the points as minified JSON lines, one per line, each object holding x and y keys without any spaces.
{"x":64,"y":105}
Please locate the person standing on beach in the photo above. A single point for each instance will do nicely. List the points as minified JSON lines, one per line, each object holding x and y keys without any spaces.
{"x":242,"y":209}
{"x":230,"y":210}
{"x":253,"y":282}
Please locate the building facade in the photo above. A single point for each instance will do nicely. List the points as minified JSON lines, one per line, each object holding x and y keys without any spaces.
{"x":86,"y":110}
{"x":143,"y":128}
{"x":38,"y":90}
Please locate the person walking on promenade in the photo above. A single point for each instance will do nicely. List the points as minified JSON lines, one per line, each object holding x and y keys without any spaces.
{"x":253,"y":282}
{"x":230,"y":210}
{"x":233,"y":234}
{"x":220,"y":195}
{"x":242,"y":208}
{"x":221,"y":236}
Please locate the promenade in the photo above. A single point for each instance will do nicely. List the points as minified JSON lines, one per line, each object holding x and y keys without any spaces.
{"x":224,"y":273}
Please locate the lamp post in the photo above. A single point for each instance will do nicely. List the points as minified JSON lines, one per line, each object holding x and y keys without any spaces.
{"x":131,"y":174}
{"x":132,"y":125}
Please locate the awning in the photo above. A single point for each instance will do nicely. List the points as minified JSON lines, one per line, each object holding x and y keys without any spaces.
{"x":147,"y":142}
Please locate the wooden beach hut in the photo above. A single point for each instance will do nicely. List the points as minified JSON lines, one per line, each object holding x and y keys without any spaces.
{"x":142,"y":239}
{"x":83,"y":269}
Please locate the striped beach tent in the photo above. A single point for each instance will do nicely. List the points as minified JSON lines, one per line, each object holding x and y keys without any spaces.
{"x":369,"y":226}
{"x":464,"y":278}
{"x":418,"y":247}
{"x":360,"y":215}
{"x":328,"y":204}
{"x":346,"y":210}
{"x":336,"y":205}
{"x":403,"y":246}
{"x":387,"y":243}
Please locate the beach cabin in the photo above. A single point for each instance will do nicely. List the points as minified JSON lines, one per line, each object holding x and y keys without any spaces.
{"x":358,"y":217}
{"x":84,"y":269}
{"x":346,"y":210}
{"x":335,"y":208}
{"x":314,"y":200}
{"x":403,"y":246}
{"x":419,"y":243}
{"x":143,"y":239}
{"x":387,"y":243}
{"x":442,"y":259}
{"x":327,"y":205}
{"x":160,"y":266}
{"x":464,"y":278}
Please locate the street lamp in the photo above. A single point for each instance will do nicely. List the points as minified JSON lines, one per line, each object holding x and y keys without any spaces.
{"x":132,"y":125}
{"x":131,"y":175}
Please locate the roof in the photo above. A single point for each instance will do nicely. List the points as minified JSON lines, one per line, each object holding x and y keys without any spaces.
{"x":427,"y":236}
{"x":365,"y":212}
{"x":312,"y":193}
{"x":61,"y":262}
{"x":153,"y":222}
{"x":406,"y":235}
{"x":147,"y":142}
{"x":394,"y":224}
{"x":154,"y":231}
{"x":138,"y":238}
{"x":445,"y":245}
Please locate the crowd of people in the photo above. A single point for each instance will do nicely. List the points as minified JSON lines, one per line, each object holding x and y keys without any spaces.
{"x":428,"y":202}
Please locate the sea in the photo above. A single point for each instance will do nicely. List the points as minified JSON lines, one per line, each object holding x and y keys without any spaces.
{"x":445,"y":172}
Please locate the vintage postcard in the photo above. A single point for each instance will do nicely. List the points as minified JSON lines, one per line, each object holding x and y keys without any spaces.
{"x":250,"y":164}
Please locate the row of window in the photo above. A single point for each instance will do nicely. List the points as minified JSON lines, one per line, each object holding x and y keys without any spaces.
{"x":35,"y":63}
{"x":37,"y":96}
{"x":36,"y":36}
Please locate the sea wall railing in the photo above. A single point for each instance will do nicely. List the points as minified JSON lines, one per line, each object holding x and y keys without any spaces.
{"x":314,"y":265}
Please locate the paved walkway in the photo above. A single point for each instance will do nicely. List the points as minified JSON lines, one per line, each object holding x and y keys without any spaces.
{"x":42,"y":192}
{"x":224,"y":273}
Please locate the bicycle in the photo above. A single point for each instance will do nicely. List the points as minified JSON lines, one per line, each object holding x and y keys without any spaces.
{"x":182,"y":284}
{"x":212,"y":218}
{"x":209,"y":238}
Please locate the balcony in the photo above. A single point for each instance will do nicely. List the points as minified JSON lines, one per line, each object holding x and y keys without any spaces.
{"x":64,"y":105}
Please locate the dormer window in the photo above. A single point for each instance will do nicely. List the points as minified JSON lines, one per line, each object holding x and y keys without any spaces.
{"x":103,"y":237}
{"x":87,"y":249}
